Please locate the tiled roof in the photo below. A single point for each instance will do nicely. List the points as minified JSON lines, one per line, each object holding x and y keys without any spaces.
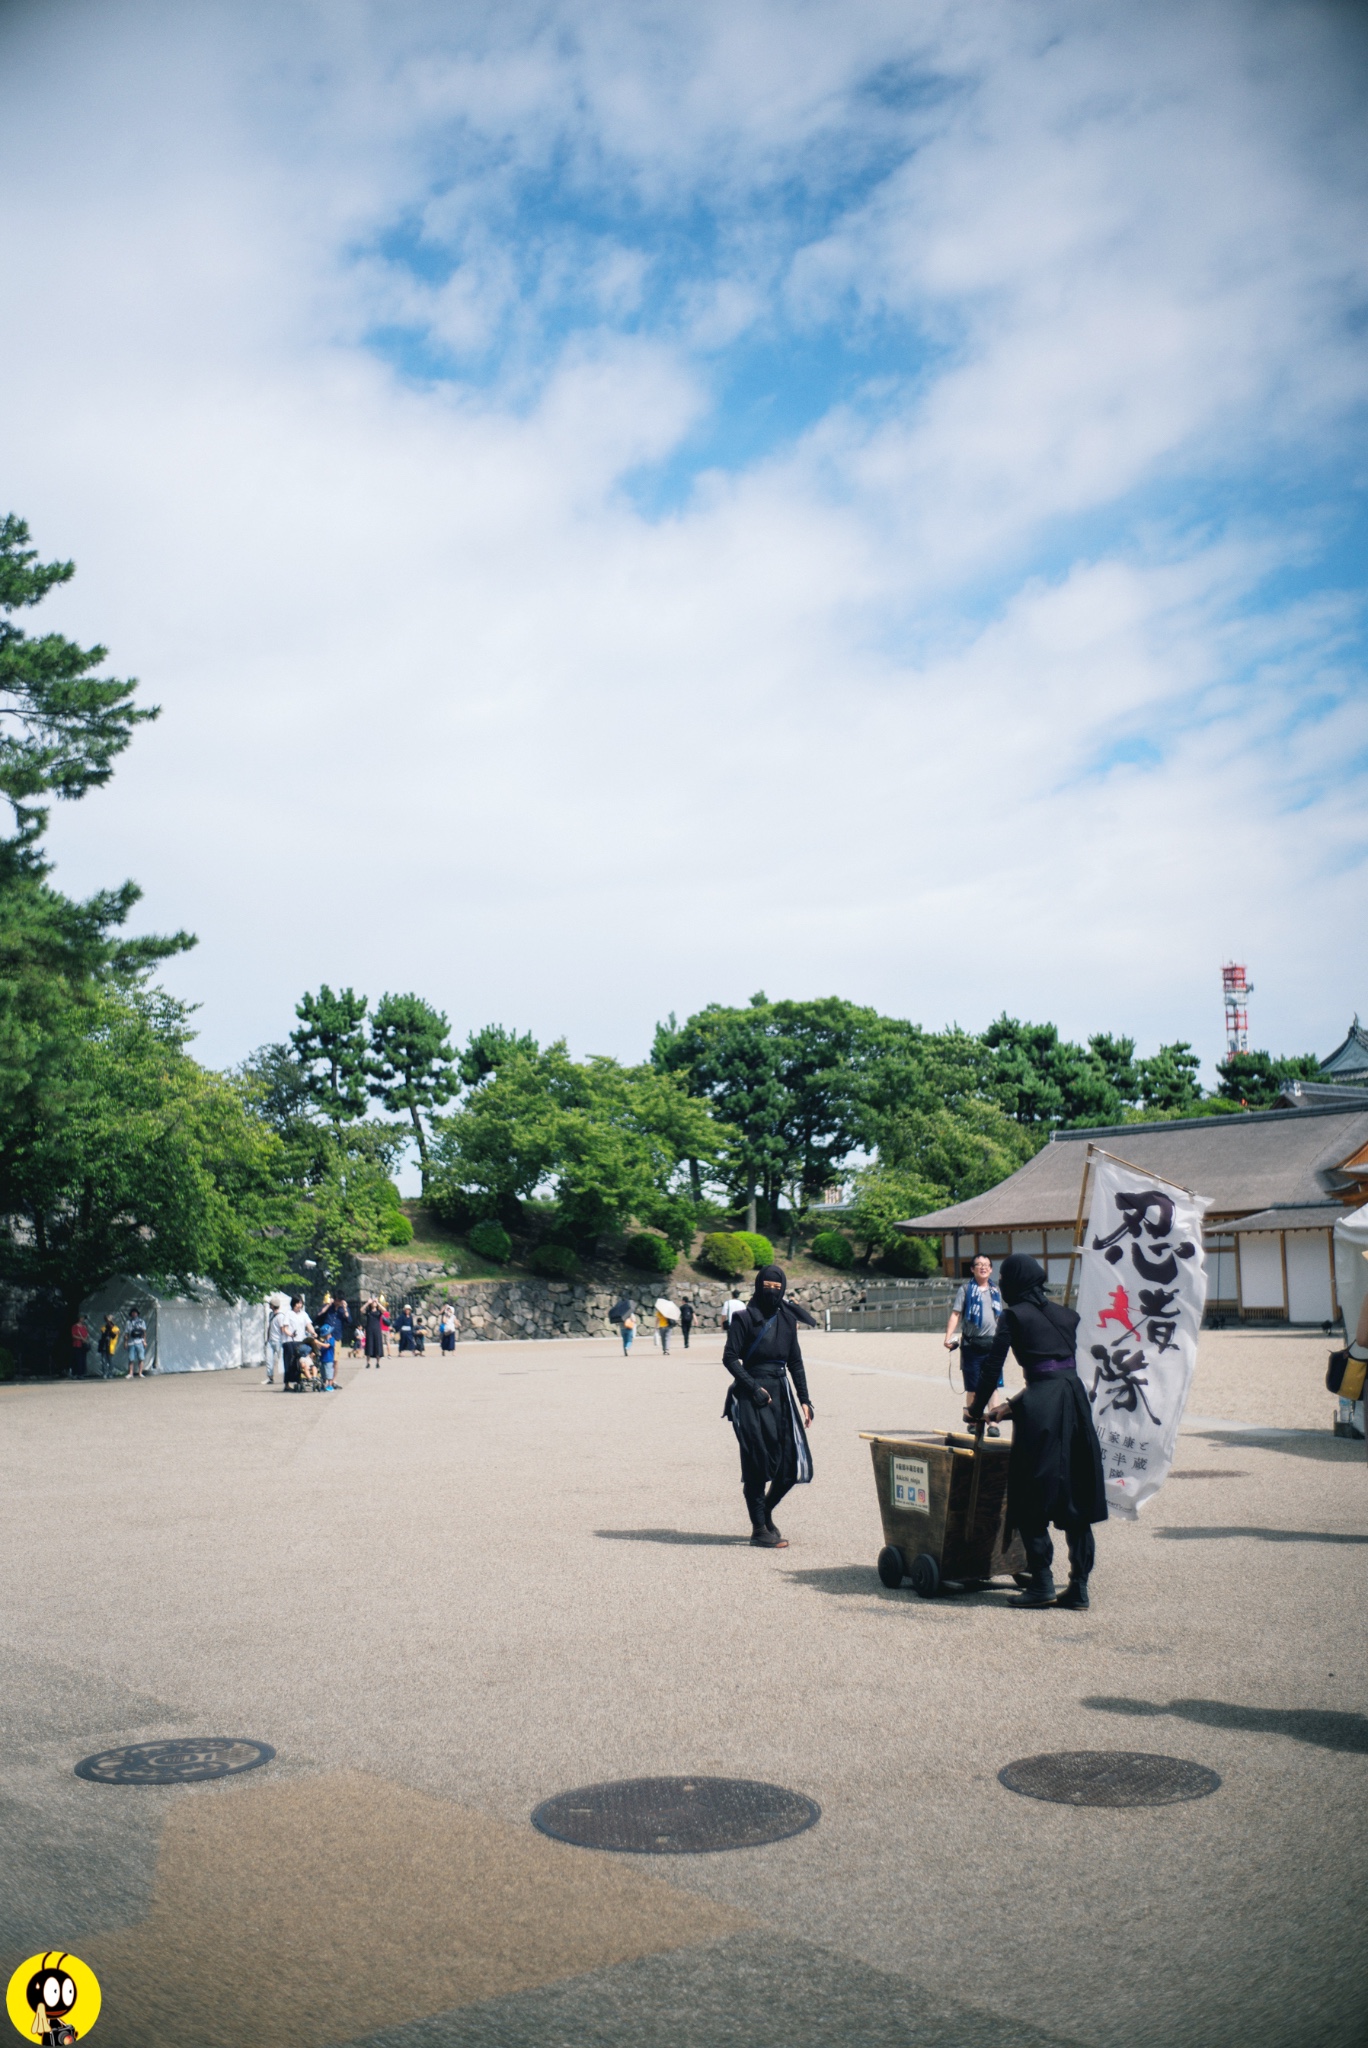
{"x":1242,"y":1163}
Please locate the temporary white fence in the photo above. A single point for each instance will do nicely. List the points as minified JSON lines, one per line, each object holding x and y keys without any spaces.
{"x":1351,"y":1285}
{"x":1141,"y":1295}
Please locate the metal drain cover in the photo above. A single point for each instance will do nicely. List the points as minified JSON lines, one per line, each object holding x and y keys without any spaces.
{"x":189,"y":1761}
{"x":676,"y":1816}
{"x":1108,"y":1777}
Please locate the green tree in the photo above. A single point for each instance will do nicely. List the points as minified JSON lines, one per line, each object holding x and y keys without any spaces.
{"x":330,"y":1048}
{"x":885,"y":1197}
{"x":138,"y":1160}
{"x":1254,"y":1079}
{"x":1116,"y":1057}
{"x":412,"y":1065}
{"x":1168,"y":1080}
{"x":1040,"y":1078}
{"x":611,"y":1142}
{"x":61,"y":726}
{"x":962,"y":1151}
{"x":785,"y":1078}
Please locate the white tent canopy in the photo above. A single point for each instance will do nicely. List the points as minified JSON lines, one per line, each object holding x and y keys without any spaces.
{"x":1351,"y":1267}
{"x":196,"y":1331}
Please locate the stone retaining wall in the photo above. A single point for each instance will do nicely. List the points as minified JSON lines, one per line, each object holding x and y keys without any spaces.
{"x":526,"y":1307}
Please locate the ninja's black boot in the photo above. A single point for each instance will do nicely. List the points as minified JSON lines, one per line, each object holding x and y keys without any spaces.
{"x":1075,"y":1594}
{"x":762,"y":1535}
{"x":1039,"y":1593}
{"x":772,"y":1500}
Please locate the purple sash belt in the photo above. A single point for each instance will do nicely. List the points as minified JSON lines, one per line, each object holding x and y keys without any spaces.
{"x":1047,"y":1365}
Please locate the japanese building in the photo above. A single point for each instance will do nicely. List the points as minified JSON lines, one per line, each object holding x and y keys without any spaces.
{"x":1276,"y":1180}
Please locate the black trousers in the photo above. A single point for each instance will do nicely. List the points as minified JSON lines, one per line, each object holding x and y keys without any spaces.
{"x":1078,"y":1536}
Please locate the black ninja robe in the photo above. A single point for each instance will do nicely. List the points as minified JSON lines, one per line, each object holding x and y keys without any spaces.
{"x":762,"y":1357}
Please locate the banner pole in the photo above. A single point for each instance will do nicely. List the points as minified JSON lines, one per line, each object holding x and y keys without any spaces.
{"x":1077,"y":1247}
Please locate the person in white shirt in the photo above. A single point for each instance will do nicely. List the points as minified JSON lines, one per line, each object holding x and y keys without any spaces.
{"x":296,"y":1330}
{"x":275,"y":1338}
{"x":732,"y":1307}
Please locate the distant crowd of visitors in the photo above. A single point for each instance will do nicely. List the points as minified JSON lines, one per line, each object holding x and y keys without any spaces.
{"x":306,"y":1353}
{"x":131,"y":1335}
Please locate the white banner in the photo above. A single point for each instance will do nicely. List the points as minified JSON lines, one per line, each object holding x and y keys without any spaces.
{"x":1140,"y":1303}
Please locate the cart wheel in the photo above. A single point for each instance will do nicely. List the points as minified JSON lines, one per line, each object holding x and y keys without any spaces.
{"x":925,"y":1576}
{"x":892,"y":1565}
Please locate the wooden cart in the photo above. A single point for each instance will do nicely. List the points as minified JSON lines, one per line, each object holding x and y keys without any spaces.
{"x":942,"y":1497}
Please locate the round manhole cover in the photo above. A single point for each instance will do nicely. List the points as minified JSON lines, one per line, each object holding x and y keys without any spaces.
{"x":1108,"y":1777}
{"x":189,"y":1761}
{"x":676,"y":1816}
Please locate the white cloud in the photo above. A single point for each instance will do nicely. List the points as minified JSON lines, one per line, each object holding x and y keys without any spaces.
{"x":444,"y":709}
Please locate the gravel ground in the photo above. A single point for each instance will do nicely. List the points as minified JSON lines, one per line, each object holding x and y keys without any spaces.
{"x":459,"y":1586}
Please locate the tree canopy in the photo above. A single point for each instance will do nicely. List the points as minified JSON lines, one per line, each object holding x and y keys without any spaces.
{"x":411,"y":1064}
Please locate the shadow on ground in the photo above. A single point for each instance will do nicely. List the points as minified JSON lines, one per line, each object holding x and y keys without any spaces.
{"x":1330,"y":1450}
{"x":666,"y":1536}
{"x":1262,"y":1535}
{"x":1319,"y":1726}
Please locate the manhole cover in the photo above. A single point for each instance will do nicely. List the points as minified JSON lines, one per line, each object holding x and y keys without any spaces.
{"x":1108,"y":1777}
{"x":1200,"y":1473}
{"x":189,"y":1761}
{"x":676,"y":1816}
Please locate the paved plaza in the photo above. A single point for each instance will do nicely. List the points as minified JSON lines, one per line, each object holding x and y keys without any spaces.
{"x":461,"y":1586}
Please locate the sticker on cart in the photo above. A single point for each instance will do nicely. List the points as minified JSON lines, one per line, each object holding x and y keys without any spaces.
{"x":910,"y":1481}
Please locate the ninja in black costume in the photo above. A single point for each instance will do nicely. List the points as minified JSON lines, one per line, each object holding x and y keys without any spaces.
{"x":1055,"y":1470}
{"x":762,"y":1355}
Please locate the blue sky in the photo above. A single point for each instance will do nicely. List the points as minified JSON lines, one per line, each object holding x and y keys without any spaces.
{"x":624,"y":505}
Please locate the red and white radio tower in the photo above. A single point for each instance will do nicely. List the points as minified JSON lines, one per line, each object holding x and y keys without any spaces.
{"x":1237,"y":988}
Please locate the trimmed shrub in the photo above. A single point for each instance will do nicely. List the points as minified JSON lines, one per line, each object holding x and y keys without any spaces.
{"x":834,"y":1248}
{"x":649,"y":1253}
{"x":491,"y":1241}
{"x":556,"y":1261}
{"x":398,"y":1228}
{"x":911,"y":1258}
{"x":726,"y":1252}
{"x":761,"y":1250}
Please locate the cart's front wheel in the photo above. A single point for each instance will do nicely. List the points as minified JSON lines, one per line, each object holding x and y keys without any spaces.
{"x":925,"y":1576}
{"x":892,"y":1565}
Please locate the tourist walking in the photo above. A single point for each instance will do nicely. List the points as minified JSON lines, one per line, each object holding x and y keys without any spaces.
{"x":686,"y":1321}
{"x":298,"y":1329}
{"x":763,"y":1355}
{"x":627,"y":1324}
{"x":332,"y":1326}
{"x":275,"y":1340}
{"x":373,"y":1317}
{"x":446,"y":1327}
{"x":80,"y":1348}
{"x":1054,"y":1472}
{"x":135,"y":1343}
{"x":978,"y":1305}
{"x":106,"y":1345}
{"x":663,"y":1325}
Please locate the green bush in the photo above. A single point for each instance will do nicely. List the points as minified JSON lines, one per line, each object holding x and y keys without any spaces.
{"x":398,"y":1228}
{"x":557,"y":1261}
{"x":834,"y":1248}
{"x":649,"y":1252}
{"x":761,"y":1250}
{"x":455,"y":1207}
{"x":491,"y":1241}
{"x":726,"y":1252}
{"x":910,"y":1258}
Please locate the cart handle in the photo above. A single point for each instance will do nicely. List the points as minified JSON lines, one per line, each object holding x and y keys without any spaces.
{"x":974,"y":1482}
